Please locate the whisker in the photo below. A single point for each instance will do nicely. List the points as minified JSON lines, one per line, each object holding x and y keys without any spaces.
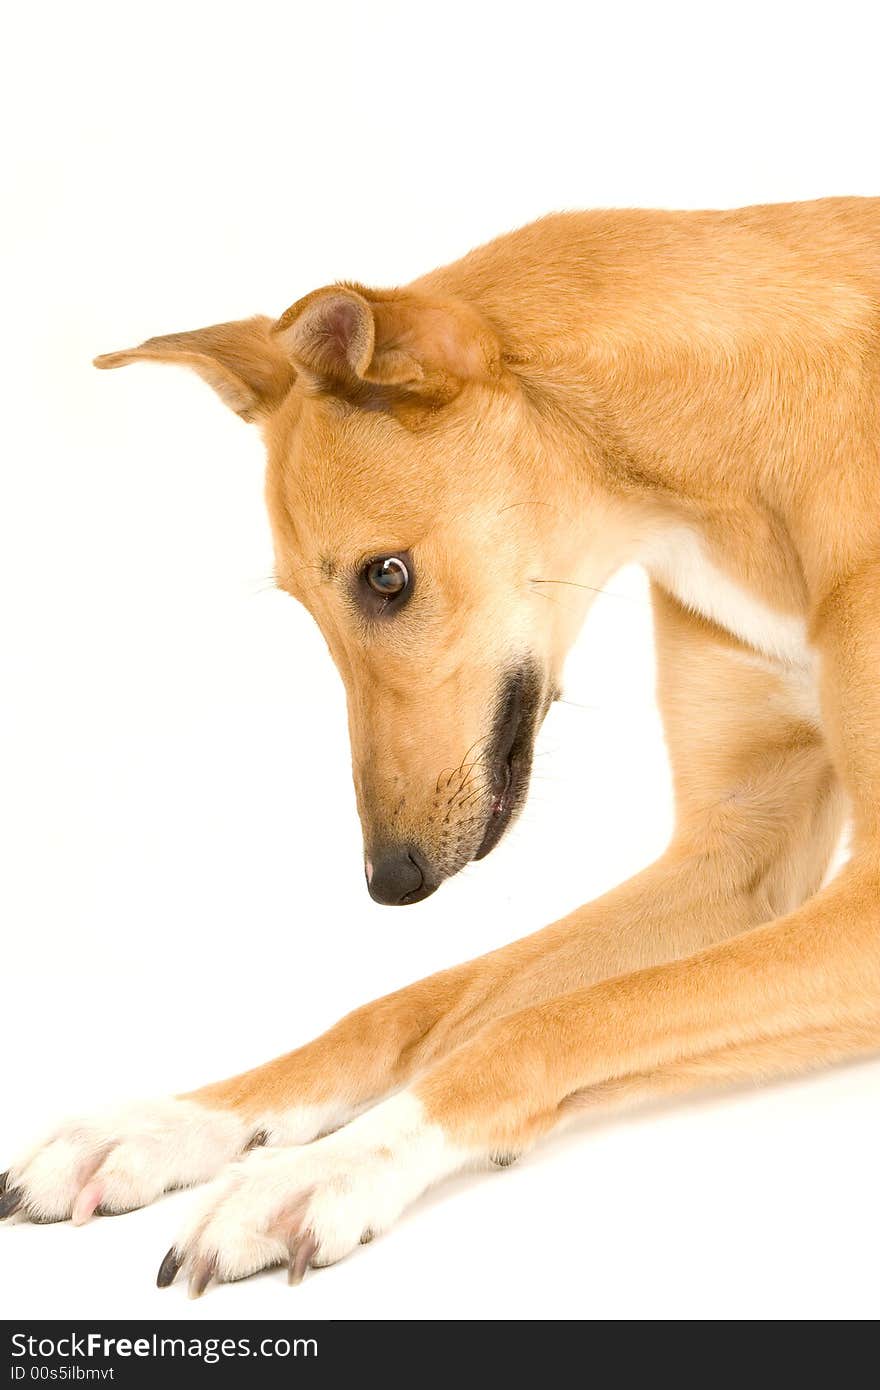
{"x":591,"y":588}
{"x":263,"y":584}
{"x":549,"y":598}
{"x":531,"y":503}
{"x":458,"y":771}
{"x":481,"y":791}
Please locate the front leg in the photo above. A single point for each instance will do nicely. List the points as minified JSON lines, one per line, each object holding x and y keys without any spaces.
{"x":804,"y":989}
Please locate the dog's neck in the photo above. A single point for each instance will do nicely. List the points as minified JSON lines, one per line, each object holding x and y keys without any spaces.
{"x":634,"y":395}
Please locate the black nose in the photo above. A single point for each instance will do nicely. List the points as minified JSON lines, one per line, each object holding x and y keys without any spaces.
{"x":397,"y":877}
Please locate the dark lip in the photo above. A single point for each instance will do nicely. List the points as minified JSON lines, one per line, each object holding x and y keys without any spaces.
{"x":516,"y":720}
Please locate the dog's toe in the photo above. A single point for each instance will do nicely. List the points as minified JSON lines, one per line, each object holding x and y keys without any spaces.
{"x":201,"y":1274}
{"x":302,"y":1250}
{"x":169,"y":1268}
{"x":10,"y":1201}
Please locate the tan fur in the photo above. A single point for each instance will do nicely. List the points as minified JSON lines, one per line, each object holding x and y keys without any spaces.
{"x":549,"y":408}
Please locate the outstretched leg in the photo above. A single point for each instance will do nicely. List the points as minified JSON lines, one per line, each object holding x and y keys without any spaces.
{"x":758,"y":813}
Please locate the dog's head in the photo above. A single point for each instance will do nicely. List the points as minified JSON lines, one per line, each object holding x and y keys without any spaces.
{"x":417,"y":515}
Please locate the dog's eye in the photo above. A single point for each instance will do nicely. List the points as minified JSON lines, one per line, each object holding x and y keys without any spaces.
{"x":385,"y":584}
{"x":388,"y":577}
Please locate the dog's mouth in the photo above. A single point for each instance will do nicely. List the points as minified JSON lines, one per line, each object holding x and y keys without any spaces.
{"x":520,"y":706}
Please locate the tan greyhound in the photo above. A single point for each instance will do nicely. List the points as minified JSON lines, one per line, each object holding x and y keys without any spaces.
{"x":698,"y":392}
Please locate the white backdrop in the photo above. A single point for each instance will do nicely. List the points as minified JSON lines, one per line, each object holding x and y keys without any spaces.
{"x":182,"y":890}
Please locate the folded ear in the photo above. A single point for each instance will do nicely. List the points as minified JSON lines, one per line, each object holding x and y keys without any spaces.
{"x":347,"y":338}
{"x":244,"y":362}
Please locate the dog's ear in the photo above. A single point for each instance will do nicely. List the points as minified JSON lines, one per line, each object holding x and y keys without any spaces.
{"x":347,"y":338}
{"x":243,"y":361}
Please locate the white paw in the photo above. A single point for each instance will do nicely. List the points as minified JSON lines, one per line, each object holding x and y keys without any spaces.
{"x":314,"y":1204}
{"x":122,"y":1159}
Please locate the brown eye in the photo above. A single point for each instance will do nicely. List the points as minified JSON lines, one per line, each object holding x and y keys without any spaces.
{"x":389,"y":577}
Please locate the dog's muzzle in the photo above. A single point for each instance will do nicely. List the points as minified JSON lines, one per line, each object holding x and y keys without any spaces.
{"x":400,"y":874}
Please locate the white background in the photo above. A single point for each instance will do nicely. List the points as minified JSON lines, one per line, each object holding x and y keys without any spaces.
{"x":182,"y":890}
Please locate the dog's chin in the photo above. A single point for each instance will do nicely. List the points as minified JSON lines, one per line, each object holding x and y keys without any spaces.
{"x":521,"y":706}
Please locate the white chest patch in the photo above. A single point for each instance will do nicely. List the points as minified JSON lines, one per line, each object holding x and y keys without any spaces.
{"x":679,"y":561}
